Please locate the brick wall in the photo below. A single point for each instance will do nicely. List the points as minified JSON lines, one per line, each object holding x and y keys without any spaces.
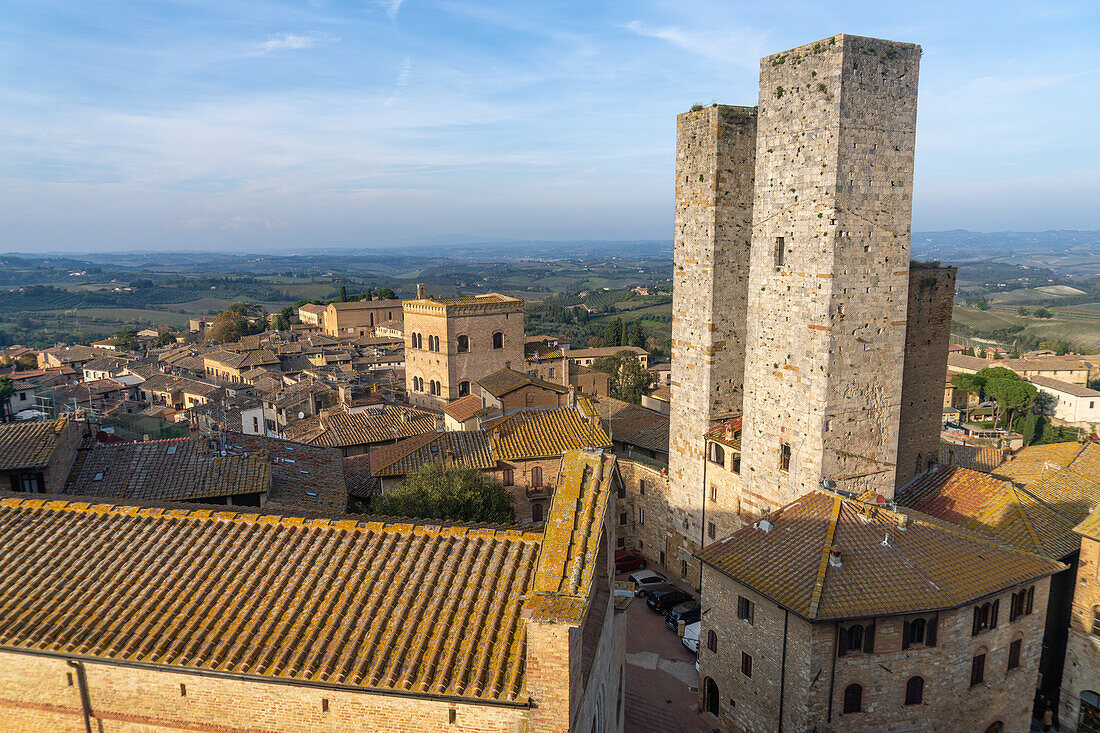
{"x":35,"y":694}
{"x":826,"y":320}
{"x":812,"y":676}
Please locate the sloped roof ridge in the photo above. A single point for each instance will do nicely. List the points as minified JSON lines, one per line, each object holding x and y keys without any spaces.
{"x":823,"y":568}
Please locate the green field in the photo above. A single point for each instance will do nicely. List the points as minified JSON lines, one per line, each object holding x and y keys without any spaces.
{"x":1076,"y":325}
{"x":121,"y":316}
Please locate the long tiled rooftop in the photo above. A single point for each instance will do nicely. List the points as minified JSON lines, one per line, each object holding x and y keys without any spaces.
{"x":451,"y":448}
{"x":385,"y":606}
{"x":543,"y":433}
{"x":882,"y":569}
{"x":166,"y":470}
{"x":361,"y":428}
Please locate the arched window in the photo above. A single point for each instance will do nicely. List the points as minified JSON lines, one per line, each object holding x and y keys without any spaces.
{"x":536,"y":476}
{"x":712,"y":641}
{"x":463,"y":344}
{"x":997,"y":727}
{"x":536,"y":512}
{"x":855,"y":638}
{"x":914,"y":691}
{"x":919,"y":457}
{"x":717,"y":455}
{"x":509,"y":477}
{"x":416,"y":341}
{"x":498,"y":340}
{"x":916,"y":631}
{"x":853,"y":698}
{"x":711,"y":693}
{"x":463,"y":389}
{"x":372,"y":319}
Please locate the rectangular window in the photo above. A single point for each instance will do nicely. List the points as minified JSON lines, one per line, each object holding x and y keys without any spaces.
{"x":780,"y":251}
{"x":713,"y":493}
{"x":641,"y":486}
{"x":710,"y":530}
{"x":746,"y":664}
{"x":1096,"y":620}
{"x":641,"y":516}
{"x":977,"y":670}
{"x":785,"y":457}
{"x":745,"y":609}
{"x":622,"y":518}
{"x":550,"y":373}
{"x":737,"y":464}
{"x":1014,"y":654}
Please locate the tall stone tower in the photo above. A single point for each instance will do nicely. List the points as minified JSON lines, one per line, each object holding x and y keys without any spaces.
{"x":829,"y":273}
{"x":715,"y":162}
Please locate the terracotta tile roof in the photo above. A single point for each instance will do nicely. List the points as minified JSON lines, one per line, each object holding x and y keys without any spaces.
{"x":599,"y":351}
{"x":1090,"y":527}
{"x":358,"y":477}
{"x":633,"y":424}
{"x":567,"y":564}
{"x":975,"y":457}
{"x":664,"y":392}
{"x":543,"y":433}
{"x":365,"y":304}
{"x":993,"y":508}
{"x":303,"y":477}
{"x":297,"y":393}
{"x":463,"y":408}
{"x":1034,"y":461}
{"x":28,"y":444}
{"x":415,"y":609}
{"x":727,"y":433}
{"x":452,"y":448}
{"x":312,"y":308}
{"x":165,"y":470}
{"x":361,"y":428}
{"x":505,"y":381}
{"x":882,"y":569}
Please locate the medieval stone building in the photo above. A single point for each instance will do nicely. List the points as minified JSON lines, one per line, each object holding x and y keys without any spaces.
{"x":796,"y":306}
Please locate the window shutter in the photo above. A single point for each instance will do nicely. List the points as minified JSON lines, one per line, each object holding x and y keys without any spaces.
{"x":904,"y":634}
{"x":869,"y":638}
{"x":930,"y":633}
{"x":977,"y":621}
{"x":993,"y":614}
{"x":1030,"y":598}
{"x":842,"y":641}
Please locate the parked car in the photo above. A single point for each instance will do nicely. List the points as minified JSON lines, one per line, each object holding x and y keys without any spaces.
{"x":660,"y":600}
{"x":688,"y":612}
{"x":691,"y":636}
{"x":645,"y":579}
{"x":626,"y":560}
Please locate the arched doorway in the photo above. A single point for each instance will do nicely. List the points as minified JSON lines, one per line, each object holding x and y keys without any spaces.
{"x":997,"y":727}
{"x":710,"y":688}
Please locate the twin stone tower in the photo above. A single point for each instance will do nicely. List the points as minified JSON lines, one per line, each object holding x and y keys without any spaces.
{"x":794,"y":302}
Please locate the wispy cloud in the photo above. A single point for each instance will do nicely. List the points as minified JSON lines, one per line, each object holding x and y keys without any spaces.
{"x":232,"y":223}
{"x":403,"y":77}
{"x":289,"y":41}
{"x":741,"y":46}
{"x":392,"y":7}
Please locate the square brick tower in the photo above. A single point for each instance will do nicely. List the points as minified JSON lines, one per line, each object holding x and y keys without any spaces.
{"x":829,"y":272}
{"x":715,"y":162}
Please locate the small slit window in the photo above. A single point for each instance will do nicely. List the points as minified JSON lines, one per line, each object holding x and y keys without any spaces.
{"x":780,"y":251}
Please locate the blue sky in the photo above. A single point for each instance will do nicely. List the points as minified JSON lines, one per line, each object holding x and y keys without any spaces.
{"x":250,"y":125}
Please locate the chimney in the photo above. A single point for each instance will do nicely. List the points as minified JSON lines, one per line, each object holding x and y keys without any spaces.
{"x":834,"y":557}
{"x":421,"y":291}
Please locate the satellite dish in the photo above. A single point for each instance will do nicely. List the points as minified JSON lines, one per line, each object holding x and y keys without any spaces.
{"x":301,"y":415}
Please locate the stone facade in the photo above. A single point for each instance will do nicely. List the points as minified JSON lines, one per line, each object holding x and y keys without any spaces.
{"x":358,"y":318}
{"x":452,"y":343}
{"x":927,"y":337}
{"x":796,"y":673}
{"x":643,"y":511}
{"x":1079,"y":709}
{"x":715,"y":162}
{"x":723,"y":510}
{"x":829,"y":273}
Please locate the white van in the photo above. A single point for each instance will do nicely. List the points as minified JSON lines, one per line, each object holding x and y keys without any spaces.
{"x":691,"y":637}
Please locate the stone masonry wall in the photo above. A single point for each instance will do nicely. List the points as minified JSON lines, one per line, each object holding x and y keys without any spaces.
{"x":949,"y":702}
{"x":927,"y":336}
{"x":829,"y":266}
{"x":715,"y":161}
{"x":1082,"y":666}
{"x":36,"y":695}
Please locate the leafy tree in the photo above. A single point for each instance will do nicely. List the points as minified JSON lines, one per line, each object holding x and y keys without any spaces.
{"x":281,"y":323}
{"x":638,"y":335}
{"x":968,"y":383}
{"x":981,"y":353}
{"x":997,"y":355}
{"x":1043,"y":404}
{"x":386,"y":294}
{"x":595,"y":342}
{"x":1043,"y":313}
{"x":127,"y":338}
{"x":1007,"y":390}
{"x":613,"y":332}
{"x":343,"y":294}
{"x":458,"y":493}
{"x":1022,"y":311}
{"x":629,"y":380}
{"x":968,"y":351}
